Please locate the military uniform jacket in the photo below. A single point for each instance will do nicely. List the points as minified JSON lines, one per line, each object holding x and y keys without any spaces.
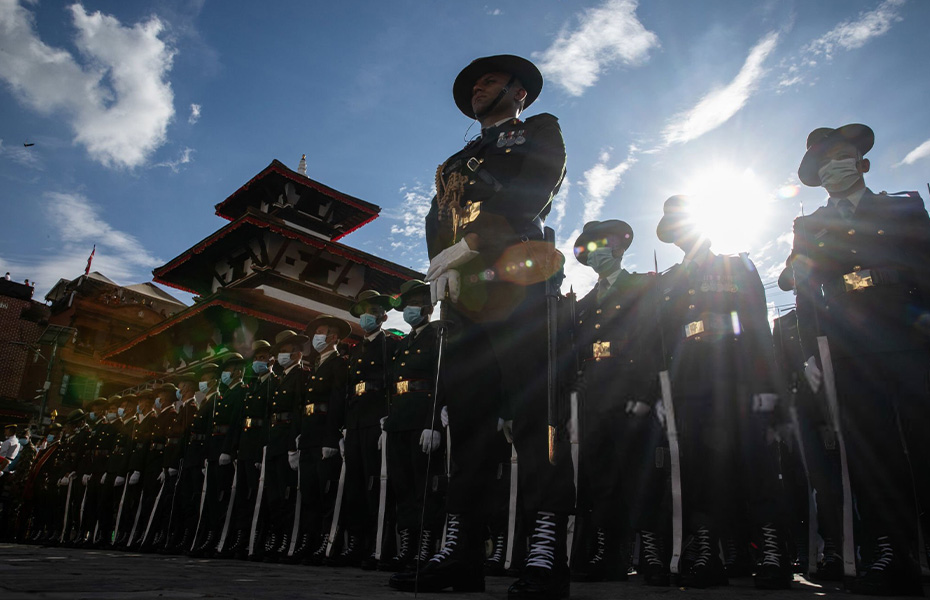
{"x":323,"y":403}
{"x":287,"y":400}
{"x":224,"y":410}
{"x":103,"y":438}
{"x":250,"y":422}
{"x":79,"y":452}
{"x":141,"y":441}
{"x":369,"y":382}
{"x":618,"y":342}
{"x":413,"y":375}
{"x":195,"y":450}
{"x":118,"y":461}
{"x":716,"y":325}
{"x":512,"y":172}
{"x":173,"y":431}
{"x":864,"y":282}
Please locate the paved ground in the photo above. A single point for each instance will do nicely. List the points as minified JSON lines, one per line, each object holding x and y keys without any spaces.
{"x":36,"y":572}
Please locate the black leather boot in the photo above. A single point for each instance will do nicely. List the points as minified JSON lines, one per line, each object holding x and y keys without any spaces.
{"x":318,"y":556}
{"x":831,"y":567}
{"x":653,"y":563}
{"x":351,"y":555}
{"x":607,"y":562}
{"x":404,"y":556}
{"x":776,"y":570}
{"x":546,"y":575}
{"x":892,"y":573}
{"x":705,"y":570}
{"x":494,"y":565}
{"x":458,"y":565}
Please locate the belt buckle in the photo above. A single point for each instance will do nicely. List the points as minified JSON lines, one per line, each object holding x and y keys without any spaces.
{"x":248,"y":422}
{"x":858,"y":280}
{"x":693,"y":328}
{"x":473,"y":164}
{"x":360,"y":388}
{"x":470,"y":212}
{"x":402,"y":387}
{"x":309,"y":409}
{"x":601,"y":349}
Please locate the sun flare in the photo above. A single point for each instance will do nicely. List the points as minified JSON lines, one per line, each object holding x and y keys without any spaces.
{"x":729,"y":206}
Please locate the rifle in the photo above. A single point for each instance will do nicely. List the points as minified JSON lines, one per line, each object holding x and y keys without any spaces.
{"x":553,"y":398}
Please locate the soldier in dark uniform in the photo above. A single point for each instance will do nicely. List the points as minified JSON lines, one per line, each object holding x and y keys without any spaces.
{"x":180,"y":471}
{"x":197,"y":515}
{"x":145,"y":418}
{"x":91,"y":468}
{"x":365,"y":407}
{"x":74,"y":438}
{"x":860,"y":264}
{"x":114,"y":478}
{"x":486,"y":243}
{"x":282,"y":458}
{"x":413,"y":431}
{"x":618,"y":342}
{"x":245,"y":442}
{"x":319,"y":438}
{"x":725,"y":390}
{"x":81,"y":469}
{"x":42,"y":489}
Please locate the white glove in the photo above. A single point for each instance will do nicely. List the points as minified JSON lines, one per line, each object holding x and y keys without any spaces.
{"x":637,"y":408}
{"x":172,"y":472}
{"x":103,"y":479}
{"x":661,"y":414}
{"x":134,"y":478}
{"x":813,"y":374}
{"x":330,"y":452}
{"x":383,"y":419}
{"x":224,"y":459}
{"x":764,"y":403}
{"x":119,"y":481}
{"x":444,"y":416}
{"x":63,"y":481}
{"x":85,"y":479}
{"x":507,"y":428}
{"x":381,"y":440}
{"x":342,"y":447}
{"x":258,"y":466}
{"x":451,"y":281}
{"x":293,"y":459}
{"x":429,"y":440}
{"x":453,"y":256}
{"x":161,"y":476}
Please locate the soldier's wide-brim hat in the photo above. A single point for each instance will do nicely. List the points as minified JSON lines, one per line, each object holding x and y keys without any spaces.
{"x":369,"y":298}
{"x":261,"y":346}
{"x":822,"y":139}
{"x":786,"y":279}
{"x":165,"y":387}
{"x":342,"y":326}
{"x":101,"y":401}
{"x":408,"y":290}
{"x":603,"y":231}
{"x":675,"y":220}
{"x":208,"y":369}
{"x":231,"y":360}
{"x":289,"y":336}
{"x":116,"y":401}
{"x":75,"y":416}
{"x":517,"y":66}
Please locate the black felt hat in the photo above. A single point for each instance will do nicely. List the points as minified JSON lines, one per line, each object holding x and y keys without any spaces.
{"x":674,"y":220}
{"x":823,"y":139}
{"x":408,"y":289}
{"x":595,"y":231}
{"x":519,"y":67}
{"x":368,"y":298}
{"x":341,"y":325}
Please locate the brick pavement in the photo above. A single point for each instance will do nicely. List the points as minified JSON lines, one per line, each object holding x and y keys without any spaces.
{"x":38,"y":572}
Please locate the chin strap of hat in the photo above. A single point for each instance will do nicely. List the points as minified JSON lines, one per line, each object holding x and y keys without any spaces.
{"x":497,"y":100}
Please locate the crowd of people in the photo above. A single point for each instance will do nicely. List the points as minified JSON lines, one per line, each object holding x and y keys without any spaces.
{"x":445,"y":455}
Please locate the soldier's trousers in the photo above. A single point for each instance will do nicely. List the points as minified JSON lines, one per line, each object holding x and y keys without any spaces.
{"x":247,"y":479}
{"x":494,"y":369}
{"x":822,"y":455}
{"x":219,"y":485}
{"x":884,"y":403}
{"x":622,"y":483}
{"x":363,"y":480}
{"x":109,"y":498}
{"x":409,"y":478}
{"x":280,"y":484}
{"x":725,"y":454}
{"x":191,"y":495}
{"x":319,"y":478}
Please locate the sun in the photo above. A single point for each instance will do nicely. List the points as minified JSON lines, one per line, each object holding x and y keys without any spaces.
{"x":729,"y":206}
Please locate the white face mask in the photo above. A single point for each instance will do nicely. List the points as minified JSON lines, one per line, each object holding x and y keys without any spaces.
{"x":284,"y":359}
{"x":839,"y":175}
{"x":603,"y":261}
{"x":319,"y":342}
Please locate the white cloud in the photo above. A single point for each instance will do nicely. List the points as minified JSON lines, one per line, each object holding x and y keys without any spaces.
{"x":601,"y":179}
{"x":27,"y":157}
{"x":719,"y":105}
{"x":855,"y":33}
{"x":118,"y":103}
{"x":606,"y":35}
{"x":921,"y":151}
{"x":182,"y":159}
{"x":559,"y":205}
{"x":195,"y":114}
{"x":494,"y":12}
{"x":76,"y":225}
{"x":408,"y":236}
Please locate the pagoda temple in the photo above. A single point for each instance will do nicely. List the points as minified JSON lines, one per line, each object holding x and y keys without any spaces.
{"x":276,"y":265}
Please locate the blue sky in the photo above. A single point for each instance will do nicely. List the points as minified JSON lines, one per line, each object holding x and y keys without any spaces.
{"x":146,"y":114}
